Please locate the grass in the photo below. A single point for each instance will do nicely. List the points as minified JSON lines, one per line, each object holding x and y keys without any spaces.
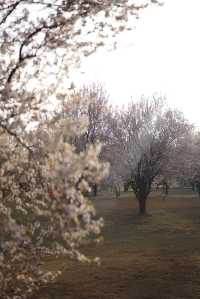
{"x":155,"y":257}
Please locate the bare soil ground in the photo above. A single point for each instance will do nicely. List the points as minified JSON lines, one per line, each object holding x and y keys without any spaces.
{"x":154,"y":257}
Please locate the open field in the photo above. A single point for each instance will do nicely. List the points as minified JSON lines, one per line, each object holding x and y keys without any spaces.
{"x":155,"y":257}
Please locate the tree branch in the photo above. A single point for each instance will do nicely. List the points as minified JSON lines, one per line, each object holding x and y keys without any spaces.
{"x":26,"y":41}
{"x":13,"y":134}
{"x":11,"y":9}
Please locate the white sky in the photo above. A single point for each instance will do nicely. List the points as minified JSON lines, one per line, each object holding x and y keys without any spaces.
{"x":162,"y":55}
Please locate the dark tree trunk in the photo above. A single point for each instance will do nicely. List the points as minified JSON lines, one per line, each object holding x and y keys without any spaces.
{"x":142,"y":206}
{"x":141,"y":184}
{"x":95,"y":189}
{"x":166,"y":189}
{"x":142,"y":190}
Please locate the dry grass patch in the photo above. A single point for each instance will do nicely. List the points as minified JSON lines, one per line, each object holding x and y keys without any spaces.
{"x":156,"y":257}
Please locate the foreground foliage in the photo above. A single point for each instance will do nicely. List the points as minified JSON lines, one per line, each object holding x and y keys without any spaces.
{"x":43,"y":206}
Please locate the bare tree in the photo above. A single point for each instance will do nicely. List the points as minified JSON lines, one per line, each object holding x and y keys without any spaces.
{"x":147,"y":132}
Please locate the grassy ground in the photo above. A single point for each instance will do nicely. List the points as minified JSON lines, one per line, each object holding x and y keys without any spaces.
{"x":155,"y":257}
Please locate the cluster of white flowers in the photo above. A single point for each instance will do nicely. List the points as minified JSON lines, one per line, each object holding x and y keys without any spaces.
{"x":43,"y":208}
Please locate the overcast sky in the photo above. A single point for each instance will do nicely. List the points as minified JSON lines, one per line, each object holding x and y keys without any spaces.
{"x":162,"y":55}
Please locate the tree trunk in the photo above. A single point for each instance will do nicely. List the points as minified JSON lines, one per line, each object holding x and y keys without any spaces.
{"x":95,"y":189}
{"x":142,"y":206}
{"x":142,"y":187}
